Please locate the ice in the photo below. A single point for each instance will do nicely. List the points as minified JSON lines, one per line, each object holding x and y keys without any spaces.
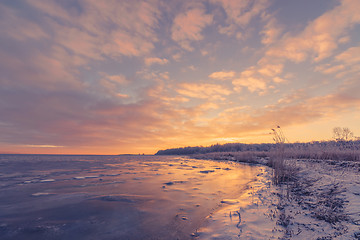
{"x":41,"y":194}
{"x":48,"y":180}
{"x":112,"y":197}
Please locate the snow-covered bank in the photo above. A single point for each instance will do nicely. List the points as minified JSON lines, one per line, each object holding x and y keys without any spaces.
{"x":322,"y":202}
{"x":325,"y":201}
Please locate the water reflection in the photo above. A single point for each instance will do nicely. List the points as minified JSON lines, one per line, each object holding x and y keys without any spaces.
{"x":96,"y":197}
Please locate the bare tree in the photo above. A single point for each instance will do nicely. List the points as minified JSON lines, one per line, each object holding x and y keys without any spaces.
{"x":342,"y":134}
{"x":347,"y":134}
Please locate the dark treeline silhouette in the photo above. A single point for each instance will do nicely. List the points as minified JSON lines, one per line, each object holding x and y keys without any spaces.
{"x":264,"y":147}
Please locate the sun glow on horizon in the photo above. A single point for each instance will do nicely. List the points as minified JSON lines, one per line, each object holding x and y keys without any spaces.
{"x":113,"y":77}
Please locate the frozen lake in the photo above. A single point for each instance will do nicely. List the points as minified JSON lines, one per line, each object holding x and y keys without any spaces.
{"x":113,"y":197}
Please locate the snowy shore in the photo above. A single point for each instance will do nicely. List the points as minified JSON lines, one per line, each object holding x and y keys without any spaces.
{"x":321,"y":202}
{"x":324,"y":202}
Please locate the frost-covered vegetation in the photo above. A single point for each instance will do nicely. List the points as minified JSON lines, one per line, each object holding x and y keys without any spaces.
{"x":317,"y":182}
{"x":327,"y":150}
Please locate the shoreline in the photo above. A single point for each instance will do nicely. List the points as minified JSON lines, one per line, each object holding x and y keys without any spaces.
{"x":321,"y":202}
{"x":249,"y":216}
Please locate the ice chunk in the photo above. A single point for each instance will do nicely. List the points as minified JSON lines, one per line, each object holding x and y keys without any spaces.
{"x":41,"y":194}
{"x":48,"y":180}
{"x":230,"y":201}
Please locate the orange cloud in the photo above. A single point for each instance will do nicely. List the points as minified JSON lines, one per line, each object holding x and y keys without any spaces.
{"x":344,"y":63}
{"x":241,"y":12}
{"x":203,"y":90}
{"x":272,"y":30}
{"x":293,"y":97}
{"x":114,"y":85}
{"x":155,"y":60}
{"x":86,"y":34}
{"x":328,"y":69}
{"x":258,"y":78}
{"x":222,"y":75}
{"x":350,"y":56}
{"x":320,"y":38}
{"x":188,"y":26}
{"x":251,"y":83}
{"x":296,"y":110}
{"x":271,"y":70}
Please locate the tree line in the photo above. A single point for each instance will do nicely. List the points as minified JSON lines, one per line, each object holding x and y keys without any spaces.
{"x":343,"y":140}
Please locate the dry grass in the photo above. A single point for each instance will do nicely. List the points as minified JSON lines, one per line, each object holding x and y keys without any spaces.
{"x":325,"y":204}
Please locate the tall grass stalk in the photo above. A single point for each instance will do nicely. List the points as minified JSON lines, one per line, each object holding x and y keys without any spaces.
{"x":278,"y":161}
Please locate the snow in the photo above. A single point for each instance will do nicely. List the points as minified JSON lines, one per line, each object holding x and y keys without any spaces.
{"x":323,"y":203}
{"x":332,"y":208}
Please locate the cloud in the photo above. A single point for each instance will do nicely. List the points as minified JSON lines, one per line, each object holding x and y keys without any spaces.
{"x":329,"y":69}
{"x":81,"y":121}
{"x":293,"y":97}
{"x":187,"y":27}
{"x":222,"y":75}
{"x":259,"y":78}
{"x":203,"y":90}
{"x":80,"y":75}
{"x":36,"y":71}
{"x":271,"y":31}
{"x":342,"y":64}
{"x":43,"y":146}
{"x":102,"y":29}
{"x":63,"y":38}
{"x":350,"y":56}
{"x":18,"y":28}
{"x":295,"y":109}
{"x":239,"y":13}
{"x":251,"y":83}
{"x":271,"y":70}
{"x":113,"y":85}
{"x":208,"y":106}
{"x":155,"y":60}
{"x":321,"y":36}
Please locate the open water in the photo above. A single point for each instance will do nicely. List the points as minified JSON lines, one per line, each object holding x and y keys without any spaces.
{"x":113,"y":197}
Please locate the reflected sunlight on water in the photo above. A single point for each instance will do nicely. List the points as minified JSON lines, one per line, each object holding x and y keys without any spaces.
{"x":102,"y":197}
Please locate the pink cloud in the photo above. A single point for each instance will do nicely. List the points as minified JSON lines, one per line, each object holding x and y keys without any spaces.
{"x":350,"y":56}
{"x":271,"y":70}
{"x":154,"y":60}
{"x":203,"y":90}
{"x":271,"y":31}
{"x":259,"y":78}
{"x":18,"y":28}
{"x":239,"y":14}
{"x":343,"y":64}
{"x":251,"y":83}
{"x":109,"y":29}
{"x":223,"y":75}
{"x":320,"y":37}
{"x":113,"y":85}
{"x":188,"y":26}
{"x":38,"y":71}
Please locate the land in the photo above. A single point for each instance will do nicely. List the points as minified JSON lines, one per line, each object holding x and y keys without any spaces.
{"x":313,"y":199}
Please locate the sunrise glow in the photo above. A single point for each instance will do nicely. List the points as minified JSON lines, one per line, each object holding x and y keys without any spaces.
{"x":114,"y":77}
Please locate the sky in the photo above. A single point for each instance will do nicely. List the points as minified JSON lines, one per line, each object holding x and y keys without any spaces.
{"x":116,"y":77}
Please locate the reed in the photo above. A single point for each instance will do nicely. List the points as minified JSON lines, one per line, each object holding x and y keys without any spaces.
{"x":277,"y":162}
